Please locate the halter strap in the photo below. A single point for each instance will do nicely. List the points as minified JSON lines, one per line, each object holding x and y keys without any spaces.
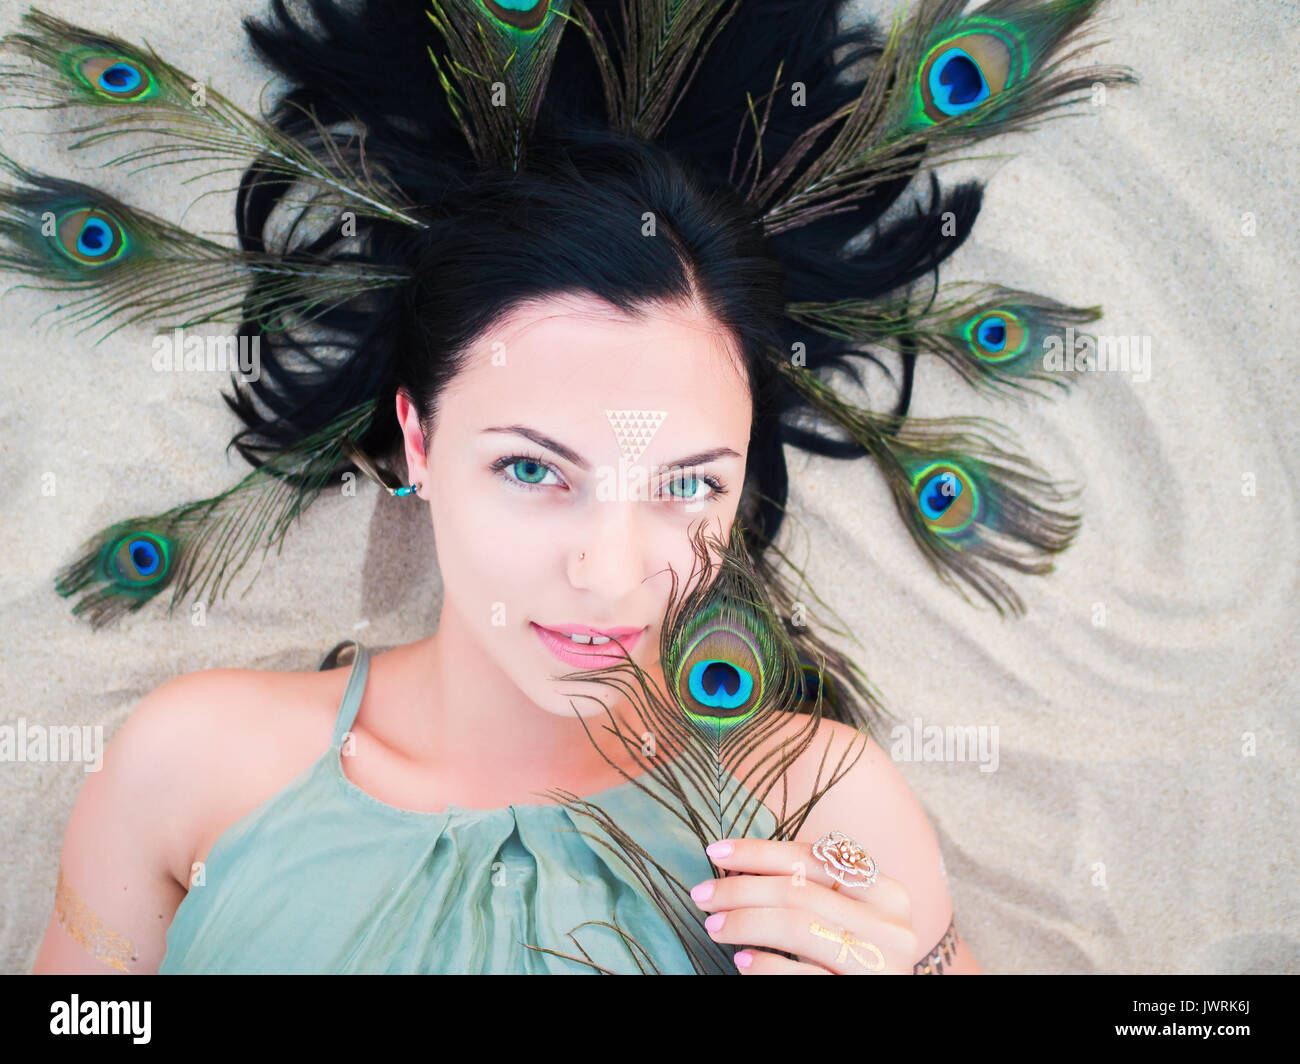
{"x":356,"y":685}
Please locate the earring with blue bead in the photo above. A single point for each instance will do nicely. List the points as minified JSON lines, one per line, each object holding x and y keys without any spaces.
{"x":382,"y":477}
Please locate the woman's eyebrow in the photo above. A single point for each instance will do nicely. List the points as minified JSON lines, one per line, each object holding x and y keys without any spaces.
{"x":542,"y":441}
{"x":703,"y":457}
{"x":571,"y":456}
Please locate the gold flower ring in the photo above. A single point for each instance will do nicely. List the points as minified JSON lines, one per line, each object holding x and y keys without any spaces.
{"x":845,"y":861}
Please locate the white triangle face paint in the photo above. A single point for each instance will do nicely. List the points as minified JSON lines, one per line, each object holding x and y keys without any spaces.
{"x":634,"y":429}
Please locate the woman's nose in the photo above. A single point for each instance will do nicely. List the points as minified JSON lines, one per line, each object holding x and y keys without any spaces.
{"x":607,"y":552}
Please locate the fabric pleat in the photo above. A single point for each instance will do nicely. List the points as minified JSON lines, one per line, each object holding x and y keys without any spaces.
{"x":325,"y":878}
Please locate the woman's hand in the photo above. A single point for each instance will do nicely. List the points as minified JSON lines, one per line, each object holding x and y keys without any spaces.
{"x":783,"y":899}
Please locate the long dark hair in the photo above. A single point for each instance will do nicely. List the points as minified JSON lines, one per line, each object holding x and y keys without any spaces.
{"x":570,"y":221}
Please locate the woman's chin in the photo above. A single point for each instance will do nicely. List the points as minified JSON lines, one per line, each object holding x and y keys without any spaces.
{"x":569,"y":699}
{"x":557,"y":687}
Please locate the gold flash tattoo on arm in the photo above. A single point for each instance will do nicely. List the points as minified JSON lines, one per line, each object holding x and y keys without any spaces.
{"x":944,"y":951}
{"x":88,"y":930}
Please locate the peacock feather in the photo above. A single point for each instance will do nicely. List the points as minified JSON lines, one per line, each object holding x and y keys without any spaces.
{"x":129,"y":90}
{"x":968,"y":500}
{"x":500,"y":57}
{"x":739,"y":699}
{"x":942,"y":82}
{"x":663,"y":44}
{"x":126,"y":265}
{"x":200,"y":547}
{"x":995,"y":337}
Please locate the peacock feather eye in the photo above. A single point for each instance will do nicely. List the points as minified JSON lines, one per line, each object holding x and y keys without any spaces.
{"x":946,"y":497}
{"x":90,"y":236}
{"x":117,"y":78}
{"x":996,"y":335}
{"x":518,"y":14}
{"x":813,"y":679}
{"x":962,"y":72}
{"x":720,"y":676}
{"x":139,"y":560}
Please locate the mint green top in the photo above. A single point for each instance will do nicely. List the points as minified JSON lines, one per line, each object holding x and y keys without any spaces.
{"x":323,"y":877}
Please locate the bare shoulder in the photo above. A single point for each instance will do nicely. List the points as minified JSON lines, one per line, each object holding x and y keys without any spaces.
{"x":192,"y":757}
{"x":867,"y":785}
{"x":223,"y":741}
{"x":872,"y":803}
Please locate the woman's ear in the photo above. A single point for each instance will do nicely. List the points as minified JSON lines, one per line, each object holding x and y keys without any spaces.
{"x":408,"y":416}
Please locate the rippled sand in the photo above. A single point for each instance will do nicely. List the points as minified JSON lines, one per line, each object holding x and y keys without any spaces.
{"x":1142,"y":813}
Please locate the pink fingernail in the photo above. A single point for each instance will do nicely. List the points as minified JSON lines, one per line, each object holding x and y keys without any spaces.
{"x":714,"y":923}
{"x":720,"y":849}
{"x":702,"y":891}
{"x":743,"y":959}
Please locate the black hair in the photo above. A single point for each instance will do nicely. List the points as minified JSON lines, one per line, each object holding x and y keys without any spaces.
{"x":570,"y":220}
{"x":575,"y":222}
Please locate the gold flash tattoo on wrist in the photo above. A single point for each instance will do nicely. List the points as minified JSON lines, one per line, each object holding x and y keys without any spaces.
{"x":88,"y":930}
{"x":943,"y":953}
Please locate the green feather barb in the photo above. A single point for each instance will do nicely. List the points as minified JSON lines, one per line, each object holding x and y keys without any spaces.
{"x":966,"y":497}
{"x":942,"y":82}
{"x":125,"y":265}
{"x":663,"y":44}
{"x":197,"y":549}
{"x":130,"y":90}
{"x":498,"y":61}
{"x":733,"y":703}
{"x":994,"y":337}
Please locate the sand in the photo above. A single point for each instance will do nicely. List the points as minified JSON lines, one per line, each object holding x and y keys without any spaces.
{"x":1142,"y":814}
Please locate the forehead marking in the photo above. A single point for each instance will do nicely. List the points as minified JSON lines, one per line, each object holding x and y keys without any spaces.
{"x":634,"y":429}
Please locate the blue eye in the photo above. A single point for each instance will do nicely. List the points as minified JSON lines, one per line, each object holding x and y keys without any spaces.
{"x":692,"y":482}
{"x":525,"y":472}
{"x":529,"y":472}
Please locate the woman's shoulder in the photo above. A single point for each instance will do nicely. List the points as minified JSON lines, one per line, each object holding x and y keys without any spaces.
{"x":214,"y":710}
{"x":872,"y":803}
{"x":214,"y":744}
{"x":862,"y":786}
{"x":828,"y":748}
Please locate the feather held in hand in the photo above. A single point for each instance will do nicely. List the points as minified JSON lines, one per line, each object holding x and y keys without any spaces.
{"x":734,"y":706}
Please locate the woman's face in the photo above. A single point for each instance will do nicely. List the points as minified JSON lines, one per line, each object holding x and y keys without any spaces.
{"x":574,"y":430}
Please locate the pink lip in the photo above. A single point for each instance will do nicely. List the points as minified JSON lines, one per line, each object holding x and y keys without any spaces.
{"x":587,"y":657}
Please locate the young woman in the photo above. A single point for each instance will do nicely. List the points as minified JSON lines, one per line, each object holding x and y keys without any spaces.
{"x":585,"y":367}
{"x":394,"y":863}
